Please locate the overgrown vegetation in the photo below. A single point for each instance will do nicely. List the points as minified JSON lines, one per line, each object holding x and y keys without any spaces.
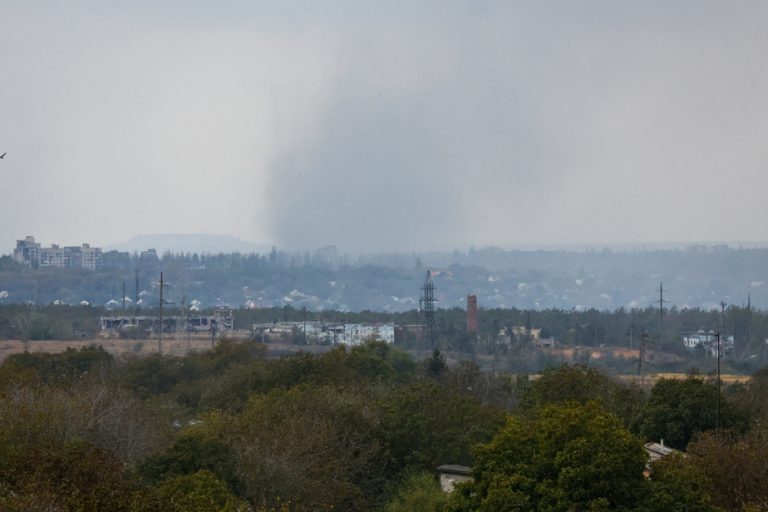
{"x":361,"y":429}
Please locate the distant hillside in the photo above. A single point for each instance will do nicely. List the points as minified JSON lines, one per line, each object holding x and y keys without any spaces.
{"x":189,"y":243}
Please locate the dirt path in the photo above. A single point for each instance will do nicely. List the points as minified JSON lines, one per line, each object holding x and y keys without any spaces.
{"x":171,"y":346}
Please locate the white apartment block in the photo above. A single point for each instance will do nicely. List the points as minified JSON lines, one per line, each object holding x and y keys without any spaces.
{"x":29,"y":252}
{"x":91,"y":257}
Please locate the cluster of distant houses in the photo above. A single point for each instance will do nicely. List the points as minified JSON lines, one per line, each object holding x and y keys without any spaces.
{"x":520,"y":332}
{"x":707,"y":341}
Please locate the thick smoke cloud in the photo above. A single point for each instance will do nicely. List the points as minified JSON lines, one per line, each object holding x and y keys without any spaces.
{"x":532,"y":124}
{"x":385,"y":125}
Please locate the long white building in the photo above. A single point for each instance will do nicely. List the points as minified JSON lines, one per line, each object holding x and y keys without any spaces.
{"x":328,"y":333}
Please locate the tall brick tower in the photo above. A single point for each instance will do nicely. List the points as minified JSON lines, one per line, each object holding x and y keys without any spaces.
{"x":472,"y":314}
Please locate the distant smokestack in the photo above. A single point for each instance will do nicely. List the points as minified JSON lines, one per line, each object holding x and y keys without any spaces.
{"x":472,"y":314}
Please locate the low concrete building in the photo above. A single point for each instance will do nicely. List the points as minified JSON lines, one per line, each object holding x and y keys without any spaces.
{"x":451,"y":475}
{"x":654,"y":452}
{"x":523,"y":332}
{"x":314,"y":332}
{"x":545,"y":342}
{"x":220,"y":322}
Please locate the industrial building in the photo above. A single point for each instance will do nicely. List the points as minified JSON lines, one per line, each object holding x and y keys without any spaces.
{"x":325,"y":333}
{"x":221,"y":321}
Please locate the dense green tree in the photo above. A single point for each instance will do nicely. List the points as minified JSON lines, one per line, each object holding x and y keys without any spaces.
{"x":583,"y":384}
{"x":70,"y":476}
{"x":752,"y":397}
{"x":435,"y":366}
{"x":498,"y":389}
{"x":678,"y":409}
{"x":197,"y":492}
{"x":417,"y":492}
{"x":735,"y":465}
{"x":189,"y":454}
{"x":372,"y":362}
{"x":152,"y":375}
{"x":424,"y":425}
{"x":63,"y":366}
{"x":571,"y":457}
{"x":677,"y":485}
{"x":81,"y":430}
{"x":91,"y":410}
{"x":314,"y":446}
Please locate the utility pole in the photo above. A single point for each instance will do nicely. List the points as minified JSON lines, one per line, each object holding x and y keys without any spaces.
{"x":123,"y":296}
{"x":185,"y":319}
{"x":136,"y":296}
{"x":717,"y":413}
{"x":594,"y":342}
{"x":643,"y":337}
{"x":719,"y":336}
{"x":162,"y":302}
{"x":722,"y":321}
{"x":661,"y":315}
{"x":631,"y":334}
{"x":136,"y":328}
{"x":160,"y":337}
{"x":748,"y":343}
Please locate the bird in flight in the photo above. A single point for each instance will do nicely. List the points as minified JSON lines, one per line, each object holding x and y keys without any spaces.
{"x":3,"y":155}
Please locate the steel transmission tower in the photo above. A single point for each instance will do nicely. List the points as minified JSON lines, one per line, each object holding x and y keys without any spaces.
{"x":427,"y":306}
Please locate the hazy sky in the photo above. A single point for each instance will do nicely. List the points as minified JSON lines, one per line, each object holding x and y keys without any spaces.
{"x":385,"y":125}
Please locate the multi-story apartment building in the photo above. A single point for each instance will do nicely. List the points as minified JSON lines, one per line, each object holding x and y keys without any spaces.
{"x":29,"y":252}
{"x":55,"y":256}
{"x":90,"y":257}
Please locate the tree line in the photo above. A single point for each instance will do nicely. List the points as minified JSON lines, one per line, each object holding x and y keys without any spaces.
{"x":693,"y":277}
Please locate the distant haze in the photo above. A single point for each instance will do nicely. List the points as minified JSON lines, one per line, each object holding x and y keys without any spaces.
{"x":188,"y":243}
{"x":385,"y":125}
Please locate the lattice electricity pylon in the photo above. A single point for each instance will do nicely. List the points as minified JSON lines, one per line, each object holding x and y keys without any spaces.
{"x":427,"y":307}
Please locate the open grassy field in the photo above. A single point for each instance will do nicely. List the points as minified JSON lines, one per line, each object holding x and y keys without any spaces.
{"x":177,"y":346}
{"x":113,"y":346}
{"x":652,"y":378}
